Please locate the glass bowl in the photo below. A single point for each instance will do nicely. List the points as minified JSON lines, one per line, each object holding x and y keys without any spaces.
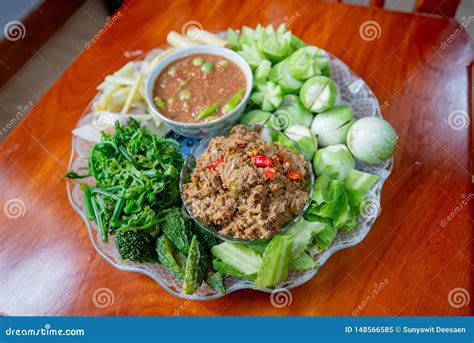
{"x":270,"y":136}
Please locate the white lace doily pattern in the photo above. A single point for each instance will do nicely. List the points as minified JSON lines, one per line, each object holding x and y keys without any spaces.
{"x":354,"y":92}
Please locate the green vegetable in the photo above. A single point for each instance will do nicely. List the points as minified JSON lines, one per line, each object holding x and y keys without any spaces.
{"x":331,"y":126}
{"x":292,"y":112}
{"x":337,"y":157}
{"x":198,"y":61}
{"x":297,"y":43}
{"x":303,"y":63}
{"x":207,"y":67}
{"x":166,"y":255}
{"x":258,"y":247}
{"x":268,"y":96}
{"x":99,"y":219}
{"x":275,"y":45}
{"x":208,"y":111}
{"x":88,"y":203}
{"x":227,"y":269}
{"x":238,"y":256}
{"x":184,"y":95}
{"x":275,"y":261}
{"x":304,"y":138}
{"x":216,"y":281}
{"x":263,"y":70}
{"x":303,"y":233}
{"x":255,"y":117}
{"x":195,"y":268}
{"x":280,"y":74}
{"x":319,"y":93}
{"x":159,"y":102}
{"x":205,"y":237}
{"x":372,"y":140}
{"x":302,"y":262}
{"x":177,"y":228}
{"x":234,"y":39}
{"x":357,"y":184}
{"x":325,"y":237}
{"x":251,"y":54}
{"x":73,"y":175}
{"x":223,"y":63}
{"x":137,"y":246}
{"x":234,"y":101}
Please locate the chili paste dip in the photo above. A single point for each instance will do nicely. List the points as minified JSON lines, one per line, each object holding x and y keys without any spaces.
{"x":198,"y":88}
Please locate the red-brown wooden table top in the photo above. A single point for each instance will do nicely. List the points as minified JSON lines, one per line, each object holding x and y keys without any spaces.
{"x":420,"y":247}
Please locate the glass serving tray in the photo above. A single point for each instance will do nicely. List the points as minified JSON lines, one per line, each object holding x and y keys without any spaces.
{"x":354,"y":92}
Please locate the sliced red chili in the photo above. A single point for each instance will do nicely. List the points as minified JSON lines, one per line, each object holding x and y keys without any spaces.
{"x":262,"y":161}
{"x":270,"y":174}
{"x":294,"y":175}
{"x":215,"y":164}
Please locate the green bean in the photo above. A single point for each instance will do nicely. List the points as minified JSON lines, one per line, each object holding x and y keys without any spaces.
{"x":88,"y":202}
{"x":119,"y":205}
{"x":234,"y":101}
{"x":129,"y":157}
{"x":104,"y":193}
{"x":207,"y":67}
{"x":198,"y":61}
{"x":159,"y":103}
{"x":223,"y":63}
{"x":209,"y":110}
{"x":99,"y":220}
{"x":185,"y":95}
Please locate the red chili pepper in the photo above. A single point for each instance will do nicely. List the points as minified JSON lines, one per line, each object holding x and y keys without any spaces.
{"x":270,"y":174}
{"x":262,"y":161}
{"x":294,"y":175}
{"x":215,"y":164}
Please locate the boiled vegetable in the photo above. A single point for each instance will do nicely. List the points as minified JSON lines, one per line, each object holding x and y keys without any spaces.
{"x":319,"y":93}
{"x":230,"y":270}
{"x":331,"y":126}
{"x":337,"y":157}
{"x":275,"y":261}
{"x":238,"y":256}
{"x":195,"y":268}
{"x":372,"y":140}
{"x":166,"y":255}
{"x":177,"y":228}
{"x":268,"y":96}
{"x":303,"y":63}
{"x":307,"y":141}
{"x":137,"y":246}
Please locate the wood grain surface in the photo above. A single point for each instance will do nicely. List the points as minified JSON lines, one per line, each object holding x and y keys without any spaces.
{"x":416,"y":260}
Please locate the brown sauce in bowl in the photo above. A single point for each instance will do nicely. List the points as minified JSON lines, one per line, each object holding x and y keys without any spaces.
{"x":198,"y":88}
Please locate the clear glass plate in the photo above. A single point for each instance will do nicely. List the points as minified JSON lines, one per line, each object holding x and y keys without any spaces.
{"x":354,"y":92}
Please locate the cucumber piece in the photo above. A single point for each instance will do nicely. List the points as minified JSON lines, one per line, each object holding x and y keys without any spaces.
{"x":227,"y":269}
{"x":275,"y":261}
{"x":319,"y":93}
{"x":216,"y":282}
{"x":238,"y":256}
{"x":303,"y":63}
{"x":263,"y":70}
{"x":165,"y":251}
{"x":194,"y":270}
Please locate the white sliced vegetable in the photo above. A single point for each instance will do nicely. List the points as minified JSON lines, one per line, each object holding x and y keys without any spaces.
{"x":331,"y":126}
{"x":304,"y":138}
{"x":205,"y":37}
{"x":372,"y":140}
{"x":337,"y":157}
{"x":87,"y":132}
{"x":319,"y":93}
{"x":176,"y":40}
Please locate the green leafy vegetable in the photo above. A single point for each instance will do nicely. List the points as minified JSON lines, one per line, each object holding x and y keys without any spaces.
{"x":216,"y":281}
{"x":302,"y":262}
{"x":177,"y":228}
{"x":337,"y":157}
{"x":275,"y":261}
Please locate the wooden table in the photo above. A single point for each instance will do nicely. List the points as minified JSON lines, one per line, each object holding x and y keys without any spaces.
{"x":419,"y":250}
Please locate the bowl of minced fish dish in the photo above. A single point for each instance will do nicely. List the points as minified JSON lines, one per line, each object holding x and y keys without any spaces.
{"x":246,"y":185}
